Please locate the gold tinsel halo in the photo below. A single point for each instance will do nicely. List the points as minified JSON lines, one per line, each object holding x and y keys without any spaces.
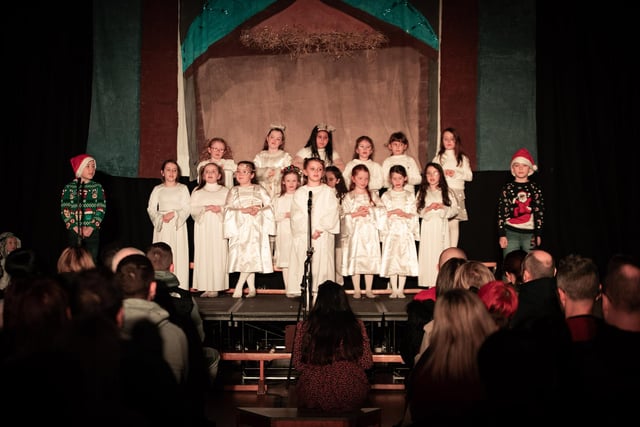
{"x":299,"y":42}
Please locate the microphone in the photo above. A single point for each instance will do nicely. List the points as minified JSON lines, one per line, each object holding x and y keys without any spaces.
{"x":310,"y":196}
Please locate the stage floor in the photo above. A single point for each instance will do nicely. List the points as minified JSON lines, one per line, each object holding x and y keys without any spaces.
{"x":270,"y":307}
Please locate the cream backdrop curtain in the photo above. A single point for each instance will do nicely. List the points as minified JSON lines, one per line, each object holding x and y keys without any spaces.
{"x":372,"y":94}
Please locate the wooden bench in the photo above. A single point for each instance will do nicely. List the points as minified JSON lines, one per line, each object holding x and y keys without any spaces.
{"x":261,"y":357}
{"x":292,"y":417}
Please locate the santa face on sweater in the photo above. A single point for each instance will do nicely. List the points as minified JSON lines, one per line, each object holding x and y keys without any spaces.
{"x":522,"y":210}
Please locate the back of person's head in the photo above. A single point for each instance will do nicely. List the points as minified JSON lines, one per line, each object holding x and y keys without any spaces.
{"x":122,"y":253}
{"x":36,"y":311}
{"x":333,"y":330}
{"x":451,"y":252}
{"x":461,"y":322}
{"x":472,"y":275}
{"x":621,"y":293}
{"x":331,"y":298}
{"x":94,"y":293}
{"x":161,"y":256}
{"x":578,"y":277}
{"x":134,"y":276}
{"x":73,"y":259}
{"x":501,"y":299}
{"x":22,"y":263}
{"x":538,"y":264}
{"x":419,"y":312}
{"x":446,"y":275}
{"x":512,"y":266}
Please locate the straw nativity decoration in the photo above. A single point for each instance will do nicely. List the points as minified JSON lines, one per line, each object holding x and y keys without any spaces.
{"x":299,"y":42}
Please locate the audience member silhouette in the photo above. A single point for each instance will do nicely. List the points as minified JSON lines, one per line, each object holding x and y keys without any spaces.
{"x":578,"y":282}
{"x":125,"y":381}
{"x":184,"y":312}
{"x":444,"y":282}
{"x":332,"y":353}
{"x":611,"y":371}
{"x":135,"y":276}
{"x":512,"y":267}
{"x":472,"y":275}
{"x":36,"y":366}
{"x":73,"y":259}
{"x":538,"y":296}
{"x":444,"y":386}
{"x":501,"y":299}
{"x":419,"y":313}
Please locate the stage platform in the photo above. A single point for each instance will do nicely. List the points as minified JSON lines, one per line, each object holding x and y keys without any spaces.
{"x":279,"y":308}
{"x":260,"y":324}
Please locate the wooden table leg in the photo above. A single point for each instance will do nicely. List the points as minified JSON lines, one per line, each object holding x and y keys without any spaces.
{"x":262,"y":387}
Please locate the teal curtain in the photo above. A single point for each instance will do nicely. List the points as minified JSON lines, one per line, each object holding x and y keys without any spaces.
{"x":114,"y":130}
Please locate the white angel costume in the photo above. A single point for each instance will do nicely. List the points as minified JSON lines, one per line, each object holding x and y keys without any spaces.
{"x":165,"y":199}
{"x":399,"y":235}
{"x":434,"y":236}
{"x":210,"y":248}
{"x":324,"y":218}
{"x":265,"y":162}
{"x":360,"y":235}
{"x":248,"y":235}
{"x":281,"y":207}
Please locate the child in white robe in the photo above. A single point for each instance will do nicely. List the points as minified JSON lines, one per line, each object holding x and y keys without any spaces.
{"x":400,"y":232}
{"x":248,"y":223}
{"x":361,"y":219}
{"x":319,"y":199}
{"x":210,"y":248}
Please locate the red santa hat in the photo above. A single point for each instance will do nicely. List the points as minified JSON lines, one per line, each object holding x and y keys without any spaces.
{"x":79,"y":162}
{"x":523,"y":156}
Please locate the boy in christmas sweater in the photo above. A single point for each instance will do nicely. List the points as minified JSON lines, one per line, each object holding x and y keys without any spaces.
{"x":520,"y":207}
{"x":83,"y":205}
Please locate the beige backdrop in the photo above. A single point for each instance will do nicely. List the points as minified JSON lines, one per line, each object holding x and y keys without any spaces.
{"x":372,"y":94}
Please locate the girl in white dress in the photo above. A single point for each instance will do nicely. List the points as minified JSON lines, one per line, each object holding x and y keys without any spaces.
{"x":363,"y":155}
{"x":219,"y":152}
{"x":248,"y":222}
{"x":334,"y":179}
{"x":361,"y":219}
{"x":457,"y":171}
{"x":320,"y":146}
{"x":271,"y":160}
{"x":436,"y":204}
{"x":210,"y":248}
{"x":291,"y":181}
{"x":168,"y":209}
{"x":401,"y":230}
{"x":325,"y":224}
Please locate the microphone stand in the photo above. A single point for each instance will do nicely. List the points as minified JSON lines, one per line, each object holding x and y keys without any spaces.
{"x":79,"y":213}
{"x":307,"y":263}
{"x":305,"y":285}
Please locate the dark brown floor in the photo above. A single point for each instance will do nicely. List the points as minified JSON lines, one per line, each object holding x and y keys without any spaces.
{"x":221,"y":404}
